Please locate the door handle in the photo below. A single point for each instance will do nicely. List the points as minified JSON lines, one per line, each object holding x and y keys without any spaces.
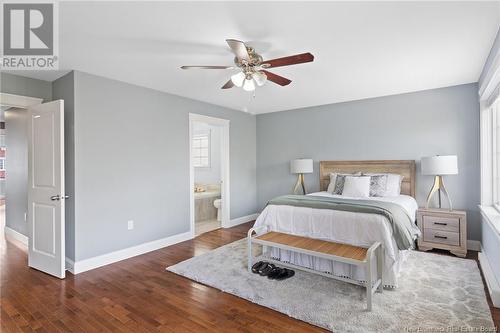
{"x":55,"y":197}
{"x":65,"y":197}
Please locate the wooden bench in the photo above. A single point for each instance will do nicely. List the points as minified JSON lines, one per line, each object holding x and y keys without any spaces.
{"x":346,"y":253}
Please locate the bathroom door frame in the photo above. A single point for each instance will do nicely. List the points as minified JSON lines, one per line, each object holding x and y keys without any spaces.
{"x":223,"y":124}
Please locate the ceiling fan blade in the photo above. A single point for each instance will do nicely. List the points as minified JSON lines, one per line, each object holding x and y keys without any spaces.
{"x":286,"y":61}
{"x":239,"y":49}
{"x":282,"y":81}
{"x":207,"y":67}
{"x":229,"y":84}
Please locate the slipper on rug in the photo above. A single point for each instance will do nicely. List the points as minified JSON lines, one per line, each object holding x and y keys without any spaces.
{"x":275,"y":273}
{"x":285,"y":274}
{"x":257,"y":266}
{"x":267,"y":269}
{"x":262,"y":267}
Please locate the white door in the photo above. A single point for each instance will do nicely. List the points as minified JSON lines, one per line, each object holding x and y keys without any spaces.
{"x":46,"y":188}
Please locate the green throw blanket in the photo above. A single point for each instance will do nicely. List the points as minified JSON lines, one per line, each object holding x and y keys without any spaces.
{"x":403,"y":226}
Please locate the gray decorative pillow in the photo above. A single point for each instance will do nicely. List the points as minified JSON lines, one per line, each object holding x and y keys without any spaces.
{"x":339,"y":184}
{"x":378,"y":185}
{"x":340,"y":180}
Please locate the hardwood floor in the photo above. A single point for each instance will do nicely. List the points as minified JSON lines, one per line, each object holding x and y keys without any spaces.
{"x":134,"y":295}
{"x":205,"y":226}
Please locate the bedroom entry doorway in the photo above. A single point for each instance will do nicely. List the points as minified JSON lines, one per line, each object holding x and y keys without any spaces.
{"x":35,"y":192}
{"x":209,"y":173}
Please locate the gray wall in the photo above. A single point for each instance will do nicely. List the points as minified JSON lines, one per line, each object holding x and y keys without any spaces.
{"x":127,"y":158}
{"x":20,"y":85}
{"x":407,"y":126}
{"x":16,"y":185}
{"x":132,"y":163}
{"x":129,"y":152}
{"x":63,"y":88}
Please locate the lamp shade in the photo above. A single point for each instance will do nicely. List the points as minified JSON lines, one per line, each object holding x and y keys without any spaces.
{"x":439,"y":165}
{"x":303,"y":165}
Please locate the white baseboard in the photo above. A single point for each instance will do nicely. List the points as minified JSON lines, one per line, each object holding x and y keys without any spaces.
{"x":109,"y":258}
{"x":473,"y":245}
{"x":81,"y":266}
{"x":11,"y":234}
{"x":241,"y":220}
{"x":491,"y":281}
{"x":70,"y":265}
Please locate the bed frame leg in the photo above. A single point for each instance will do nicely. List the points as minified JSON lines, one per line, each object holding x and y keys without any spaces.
{"x":249,"y":249}
{"x":380,"y":267}
{"x":369,"y":283}
{"x":249,"y":255}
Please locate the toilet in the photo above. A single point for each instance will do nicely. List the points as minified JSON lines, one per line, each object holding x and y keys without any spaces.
{"x":217,"y":204}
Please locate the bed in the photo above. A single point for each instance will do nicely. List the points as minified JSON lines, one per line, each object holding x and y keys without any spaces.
{"x":351,"y":227}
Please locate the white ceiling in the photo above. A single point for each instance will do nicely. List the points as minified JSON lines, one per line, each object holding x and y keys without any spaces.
{"x":41,"y":75}
{"x":361,"y":49}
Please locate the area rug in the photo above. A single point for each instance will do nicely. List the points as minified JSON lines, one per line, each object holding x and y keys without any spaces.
{"x":436,"y":293}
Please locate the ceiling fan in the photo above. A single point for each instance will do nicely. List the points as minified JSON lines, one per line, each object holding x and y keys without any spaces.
{"x":254,"y":68}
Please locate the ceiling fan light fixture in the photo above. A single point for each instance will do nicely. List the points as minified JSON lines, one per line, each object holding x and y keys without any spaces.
{"x":253,"y":68}
{"x":238,"y":79}
{"x":248,"y":85}
{"x":260,"y":78}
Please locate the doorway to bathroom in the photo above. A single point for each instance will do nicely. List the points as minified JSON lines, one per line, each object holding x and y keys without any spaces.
{"x":209,"y":173}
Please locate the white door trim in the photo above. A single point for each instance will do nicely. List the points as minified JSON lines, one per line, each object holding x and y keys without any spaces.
{"x":225,"y":188}
{"x":18,"y":101}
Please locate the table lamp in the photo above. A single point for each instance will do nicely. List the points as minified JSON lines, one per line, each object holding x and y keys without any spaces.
{"x":300,"y":167}
{"x":438,"y":166}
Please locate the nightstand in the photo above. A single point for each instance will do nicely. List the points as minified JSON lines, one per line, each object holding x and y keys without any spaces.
{"x":442,"y":229}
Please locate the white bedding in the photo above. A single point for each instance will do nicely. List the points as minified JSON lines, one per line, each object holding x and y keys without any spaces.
{"x":361,"y":229}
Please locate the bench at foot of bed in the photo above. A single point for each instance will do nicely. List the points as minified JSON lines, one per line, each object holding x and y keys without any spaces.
{"x":354,"y":255}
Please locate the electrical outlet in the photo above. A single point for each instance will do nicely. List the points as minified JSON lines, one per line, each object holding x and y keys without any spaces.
{"x":130,"y":225}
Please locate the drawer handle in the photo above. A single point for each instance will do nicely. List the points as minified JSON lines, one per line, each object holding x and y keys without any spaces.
{"x":440,"y":223}
{"x":442,"y":237}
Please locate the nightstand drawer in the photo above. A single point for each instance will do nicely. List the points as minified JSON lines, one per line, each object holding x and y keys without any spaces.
{"x":442,"y":237}
{"x":451,"y":224}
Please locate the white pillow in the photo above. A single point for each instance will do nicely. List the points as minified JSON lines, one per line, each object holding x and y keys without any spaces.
{"x":357,"y":187}
{"x":393,"y":188}
{"x":393,"y":184}
{"x":331,"y":186}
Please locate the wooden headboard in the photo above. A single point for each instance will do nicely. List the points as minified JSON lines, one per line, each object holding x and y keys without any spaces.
{"x":406,"y":168}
